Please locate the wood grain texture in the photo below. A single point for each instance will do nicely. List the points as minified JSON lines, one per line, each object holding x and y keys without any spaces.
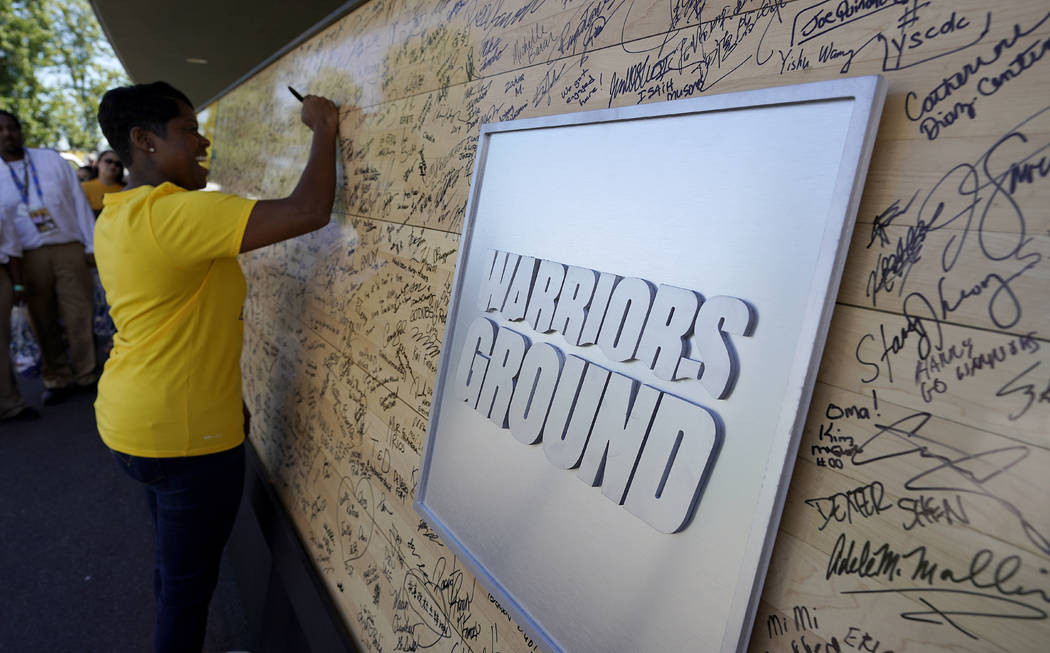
{"x":915,"y":519}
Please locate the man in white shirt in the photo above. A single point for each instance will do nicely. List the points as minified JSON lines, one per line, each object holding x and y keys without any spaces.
{"x":54,"y":226}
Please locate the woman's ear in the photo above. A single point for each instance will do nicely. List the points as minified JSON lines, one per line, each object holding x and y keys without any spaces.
{"x":141,"y":140}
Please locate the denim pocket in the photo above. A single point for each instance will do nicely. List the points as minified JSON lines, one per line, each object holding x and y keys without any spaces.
{"x":144,"y":470}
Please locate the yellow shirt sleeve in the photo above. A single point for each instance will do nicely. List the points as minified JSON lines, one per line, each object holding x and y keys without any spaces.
{"x":196,"y":226}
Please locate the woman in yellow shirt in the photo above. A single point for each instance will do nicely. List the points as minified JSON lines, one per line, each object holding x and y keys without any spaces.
{"x":110,"y":179}
{"x":169,"y":400}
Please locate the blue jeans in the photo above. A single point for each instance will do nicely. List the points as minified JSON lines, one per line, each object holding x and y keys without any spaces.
{"x":193,"y":501}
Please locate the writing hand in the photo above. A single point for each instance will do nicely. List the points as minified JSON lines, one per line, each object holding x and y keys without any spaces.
{"x":320,"y":114}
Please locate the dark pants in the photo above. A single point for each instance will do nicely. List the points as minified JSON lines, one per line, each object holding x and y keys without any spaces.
{"x":193,"y":501}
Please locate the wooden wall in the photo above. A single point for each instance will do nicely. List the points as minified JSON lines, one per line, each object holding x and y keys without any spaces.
{"x":917,"y":518}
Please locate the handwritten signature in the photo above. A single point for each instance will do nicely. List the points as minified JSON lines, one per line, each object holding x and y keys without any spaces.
{"x":977,"y":201}
{"x":954,"y":472}
{"x":998,"y":595}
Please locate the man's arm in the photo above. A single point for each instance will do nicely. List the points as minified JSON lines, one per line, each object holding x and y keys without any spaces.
{"x":82,"y":214}
{"x":14,"y":270}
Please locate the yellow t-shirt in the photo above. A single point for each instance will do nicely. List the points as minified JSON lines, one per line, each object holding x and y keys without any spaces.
{"x":167,"y":259}
{"x":95,"y":190}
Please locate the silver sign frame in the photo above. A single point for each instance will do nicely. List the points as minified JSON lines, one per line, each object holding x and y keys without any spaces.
{"x":746,"y":202}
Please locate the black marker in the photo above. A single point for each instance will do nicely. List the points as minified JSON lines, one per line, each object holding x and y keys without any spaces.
{"x":296,"y":94}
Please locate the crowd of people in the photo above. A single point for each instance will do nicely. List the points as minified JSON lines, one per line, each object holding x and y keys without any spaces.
{"x":47,"y":222}
{"x":168,"y":403}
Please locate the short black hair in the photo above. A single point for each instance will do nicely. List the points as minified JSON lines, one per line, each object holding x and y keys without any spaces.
{"x":18,"y":123}
{"x":148,"y":106}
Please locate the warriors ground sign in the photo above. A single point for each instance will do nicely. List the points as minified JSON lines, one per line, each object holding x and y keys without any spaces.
{"x":637,"y":318}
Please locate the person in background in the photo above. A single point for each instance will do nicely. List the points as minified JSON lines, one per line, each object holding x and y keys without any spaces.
{"x":12,"y":408}
{"x":110,"y":179}
{"x":86,"y":173}
{"x":169,"y":401}
{"x":40,"y":194}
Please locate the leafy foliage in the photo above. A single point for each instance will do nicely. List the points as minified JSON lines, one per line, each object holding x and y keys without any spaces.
{"x":55,"y":64}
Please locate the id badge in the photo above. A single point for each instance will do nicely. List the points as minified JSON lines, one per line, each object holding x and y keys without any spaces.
{"x":42,"y":220}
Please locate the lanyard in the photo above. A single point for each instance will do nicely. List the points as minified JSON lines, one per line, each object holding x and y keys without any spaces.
{"x":22,"y":188}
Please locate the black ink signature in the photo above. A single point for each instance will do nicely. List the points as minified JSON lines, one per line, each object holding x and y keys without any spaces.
{"x":898,"y":264}
{"x":827,"y":15}
{"x":960,"y":78}
{"x":700,"y":51}
{"x":894,"y":47}
{"x":955,"y":473}
{"x":866,"y":501}
{"x":1000,"y":596}
{"x":1027,"y":390}
{"x":1007,"y":608}
{"x":976,"y":200}
{"x":964,"y":189}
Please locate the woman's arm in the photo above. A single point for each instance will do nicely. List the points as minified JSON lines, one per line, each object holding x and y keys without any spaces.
{"x":309,"y":207}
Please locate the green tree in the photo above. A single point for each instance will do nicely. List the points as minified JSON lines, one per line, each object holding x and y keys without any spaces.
{"x":55,"y":64}
{"x":25,"y":47}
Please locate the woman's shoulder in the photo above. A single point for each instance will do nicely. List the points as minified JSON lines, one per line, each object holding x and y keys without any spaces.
{"x":151,"y":198}
{"x":177,"y":198}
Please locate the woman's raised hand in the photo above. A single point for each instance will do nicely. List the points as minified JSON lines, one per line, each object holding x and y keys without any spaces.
{"x":320,"y":113}
{"x":309,"y":207}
